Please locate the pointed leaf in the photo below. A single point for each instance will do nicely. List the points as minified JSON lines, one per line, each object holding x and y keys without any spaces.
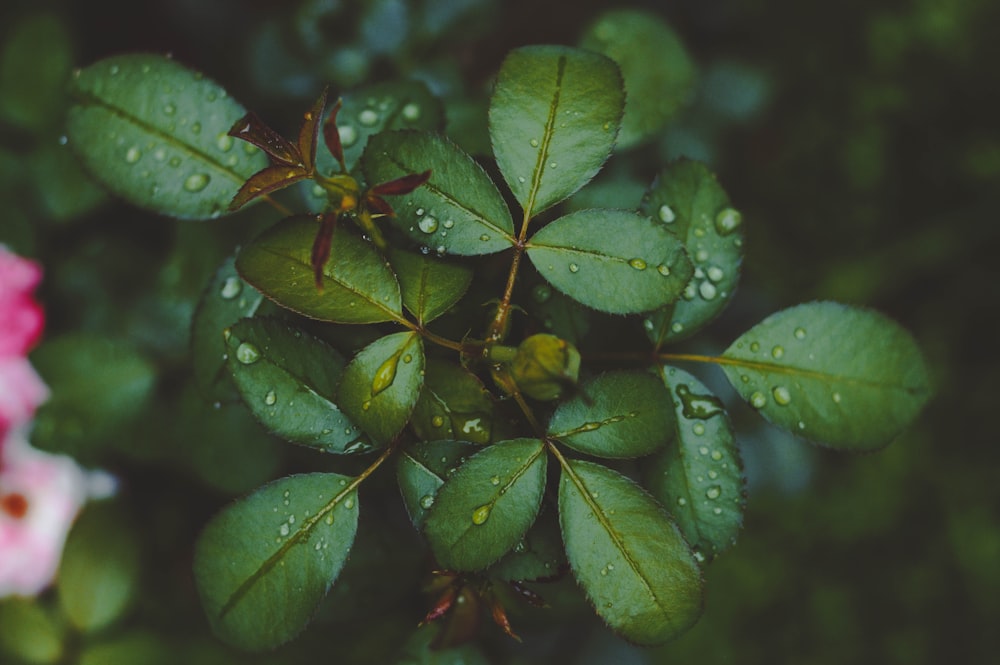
{"x":628,"y":556}
{"x":537,"y":556}
{"x":358,"y":286}
{"x":612,"y":260}
{"x":225,"y":300}
{"x":381,"y":385}
{"x":844,"y":376}
{"x":485,"y":508}
{"x":309,"y":132}
{"x":553,"y":120}
{"x":156,"y":134}
{"x":453,"y":404}
{"x":698,"y":477}
{"x":659,"y":74}
{"x":378,"y":108}
{"x":267,"y":181}
{"x":287,"y":379}
{"x":253,"y":130}
{"x":430,"y":286}
{"x":689,"y":201}
{"x":263,"y":564}
{"x":459,"y":210}
{"x":422,"y":469}
{"x":617,"y":415}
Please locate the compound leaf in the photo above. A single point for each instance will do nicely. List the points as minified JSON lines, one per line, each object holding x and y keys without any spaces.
{"x":358,"y":286}
{"x":553,"y":120}
{"x":844,"y":376}
{"x":155,"y":133}
{"x":688,"y":200}
{"x":485,"y":508}
{"x":630,"y":559}
{"x":458,"y":211}
{"x":617,"y":415}
{"x":380,"y":386}
{"x":287,"y":379}
{"x":265,"y":562}
{"x":698,"y":477}
{"x":614,"y":261}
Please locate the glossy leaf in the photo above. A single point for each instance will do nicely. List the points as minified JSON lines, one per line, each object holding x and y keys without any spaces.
{"x":612,"y":260}
{"x":553,"y":119}
{"x":263,"y":564}
{"x":156,"y":134}
{"x":99,"y":570}
{"x":421,"y":470}
{"x":485,"y":508}
{"x":225,"y":300}
{"x":688,"y":200}
{"x":380,"y":386}
{"x":454,"y":404}
{"x":378,"y":108}
{"x":844,"y":376}
{"x":358,"y":286}
{"x":617,"y":415}
{"x":630,"y":559}
{"x":430,"y":286}
{"x":458,"y":211}
{"x":658,"y":72}
{"x":699,"y":476}
{"x":287,"y":379}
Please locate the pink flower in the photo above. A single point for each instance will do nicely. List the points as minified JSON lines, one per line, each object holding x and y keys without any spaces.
{"x":40,"y":496}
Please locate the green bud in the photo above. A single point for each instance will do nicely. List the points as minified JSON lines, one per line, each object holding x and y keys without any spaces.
{"x":544,"y":366}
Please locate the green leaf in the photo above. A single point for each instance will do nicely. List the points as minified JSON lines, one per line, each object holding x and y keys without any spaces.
{"x":454,"y":404}
{"x":99,"y":570}
{"x":698,"y":477}
{"x":32,"y":79}
{"x":29,"y":632}
{"x":156,"y":133}
{"x":381,"y":385}
{"x":659,"y":74}
{"x":617,"y":415}
{"x":263,"y":564}
{"x":562,"y":316}
{"x":287,"y":379}
{"x":97,"y":386}
{"x":689,"y":201}
{"x":458,"y":211}
{"x":422,"y":469}
{"x":358,"y":286}
{"x":844,"y":376}
{"x":537,"y":556}
{"x":612,"y":260}
{"x":554,"y":115}
{"x":485,"y":508}
{"x":377,"y":108}
{"x":430,"y":286}
{"x":628,"y":556}
{"x":225,"y":300}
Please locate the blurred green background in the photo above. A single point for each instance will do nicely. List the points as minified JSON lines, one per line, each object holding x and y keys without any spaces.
{"x":861,"y":142}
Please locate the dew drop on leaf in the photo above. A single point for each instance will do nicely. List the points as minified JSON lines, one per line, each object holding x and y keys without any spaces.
{"x":777,"y":352}
{"x":713,"y":492}
{"x":707,"y":290}
{"x":667,"y":214}
{"x":133,"y":155}
{"x":428,"y":224}
{"x":728,"y":220}
{"x":411,"y":112}
{"x":663,"y":270}
{"x":781,"y":395}
{"x":800,"y":333}
{"x":231,"y":288}
{"x":481,"y":514}
{"x":270,"y":398}
{"x":348,"y":135}
{"x":573,"y":267}
{"x":426,"y":501}
{"x":638,"y":264}
{"x":758,"y":400}
{"x":368,"y":118}
{"x":196,"y":182}
{"x":247,"y":353}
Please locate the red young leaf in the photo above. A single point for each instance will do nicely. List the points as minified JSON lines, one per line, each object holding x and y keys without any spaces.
{"x":332,"y":136}
{"x":500,"y":617}
{"x":309,"y":133}
{"x":443,"y":604}
{"x":403,"y":185}
{"x":252,"y":129}
{"x":378,"y":205}
{"x":321,"y":246}
{"x":265,"y":181}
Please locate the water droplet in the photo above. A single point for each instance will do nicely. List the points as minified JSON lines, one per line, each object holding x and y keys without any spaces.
{"x":727,"y":220}
{"x":283,"y":529}
{"x":663,"y":270}
{"x":800,"y":333}
{"x":231,"y":288}
{"x":367,"y":404}
{"x":713,"y":474}
{"x":481,"y":514}
{"x":448,"y":223}
{"x":495,"y":480}
{"x":837,"y":398}
{"x":329,"y":519}
{"x":707,"y":290}
{"x":247,"y":353}
{"x":758,"y":400}
{"x":196,"y":182}
{"x":484,"y":237}
{"x":698,"y":406}
{"x":385,"y":374}
{"x":677,"y":327}
{"x":411,"y":112}
{"x":437,"y":421}
{"x":701,"y":256}
{"x":270,"y":398}
{"x":754,"y":347}
{"x":689,"y":292}
{"x":428,"y":224}
{"x":349,"y":504}
{"x":638,"y":264}
{"x":716,"y":455}
{"x":133,"y":155}
{"x":368,"y":118}
{"x":348,"y":135}
{"x":420,"y":211}
{"x":716,"y":274}
{"x":782,"y":396}
{"x":699,"y":429}
{"x":777,"y":352}
{"x":717,"y":510}
{"x":802,"y":424}
{"x":553,"y":165}
{"x":426,"y":501}
{"x":667,"y":214}
{"x":534,"y":143}
{"x":703,"y":449}
{"x":681,"y":501}
{"x":170,"y":109}
{"x":573,"y":267}
{"x":713,"y":492}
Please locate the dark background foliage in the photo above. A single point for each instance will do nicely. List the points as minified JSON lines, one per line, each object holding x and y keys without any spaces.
{"x":860,"y":141}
